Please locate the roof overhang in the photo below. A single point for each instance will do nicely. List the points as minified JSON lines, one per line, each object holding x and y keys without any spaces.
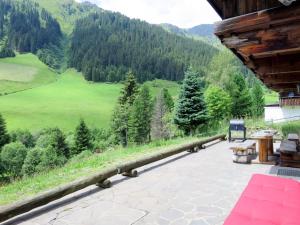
{"x":268,"y":42}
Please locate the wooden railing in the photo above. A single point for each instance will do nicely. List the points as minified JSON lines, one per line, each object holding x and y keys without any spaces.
{"x":100,"y":178}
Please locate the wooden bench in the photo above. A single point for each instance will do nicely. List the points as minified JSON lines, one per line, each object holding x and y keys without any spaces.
{"x":244,"y":152}
{"x":289,"y":155}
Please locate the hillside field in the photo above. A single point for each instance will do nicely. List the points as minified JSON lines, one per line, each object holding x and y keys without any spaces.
{"x":23,"y":72}
{"x":62,"y":103}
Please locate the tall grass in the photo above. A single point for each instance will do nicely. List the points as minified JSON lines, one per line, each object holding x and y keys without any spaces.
{"x":288,"y":128}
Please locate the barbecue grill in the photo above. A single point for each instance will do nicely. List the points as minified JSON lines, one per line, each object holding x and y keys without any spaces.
{"x":237,"y":125}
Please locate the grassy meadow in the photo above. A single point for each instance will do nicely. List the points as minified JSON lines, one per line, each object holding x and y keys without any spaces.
{"x":23,"y":72}
{"x":61,"y":103}
{"x":271,"y":97}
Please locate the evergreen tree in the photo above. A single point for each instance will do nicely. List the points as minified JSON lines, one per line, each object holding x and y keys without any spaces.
{"x":258,"y":100}
{"x":4,"y":136}
{"x":139,"y":123}
{"x":168,"y":100}
{"x":129,"y":90}
{"x":58,"y":142}
{"x":121,"y":113}
{"x":191,"y":110}
{"x":82,"y":138}
{"x":241,"y":98}
{"x":159,"y":127}
{"x":119,"y":124}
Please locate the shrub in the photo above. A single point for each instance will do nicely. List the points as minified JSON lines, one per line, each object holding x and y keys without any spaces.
{"x":23,"y":136}
{"x":33,"y":159}
{"x":54,"y":138}
{"x":13,"y":156}
{"x":100,"y":146}
{"x":102,"y":139}
{"x":218,"y":103}
{"x":50,"y":159}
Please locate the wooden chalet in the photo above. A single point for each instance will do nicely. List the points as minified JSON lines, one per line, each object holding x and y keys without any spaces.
{"x":265,"y":35}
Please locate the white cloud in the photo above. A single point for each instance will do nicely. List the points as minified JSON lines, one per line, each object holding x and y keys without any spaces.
{"x":183,"y":13}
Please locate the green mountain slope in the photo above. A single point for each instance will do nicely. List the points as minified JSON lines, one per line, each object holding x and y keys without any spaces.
{"x":67,"y":12}
{"x":110,"y":43}
{"x":102,"y":44}
{"x":23,"y":72}
{"x":61,"y":103}
{"x":27,"y":28}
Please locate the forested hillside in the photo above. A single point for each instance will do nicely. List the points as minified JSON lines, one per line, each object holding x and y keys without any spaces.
{"x":104,"y":45}
{"x":26,"y":29}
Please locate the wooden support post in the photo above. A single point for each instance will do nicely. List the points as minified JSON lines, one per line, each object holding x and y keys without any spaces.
{"x":131,"y":173}
{"x":104,"y":184}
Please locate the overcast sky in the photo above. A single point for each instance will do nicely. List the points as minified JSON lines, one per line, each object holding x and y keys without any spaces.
{"x":183,"y":13}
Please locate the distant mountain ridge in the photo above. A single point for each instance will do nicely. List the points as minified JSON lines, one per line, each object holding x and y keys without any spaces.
{"x":202,"y":30}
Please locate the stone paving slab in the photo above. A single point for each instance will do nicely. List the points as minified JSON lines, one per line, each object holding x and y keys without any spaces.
{"x":187,"y":189}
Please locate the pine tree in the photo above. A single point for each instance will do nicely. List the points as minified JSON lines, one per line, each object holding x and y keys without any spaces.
{"x":241,"y":98}
{"x":82,"y":138}
{"x":191,"y":111}
{"x":258,"y":100}
{"x":4,"y":137}
{"x":139,"y":123}
{"x":168,"y":100}
{"x":121,"y":113}
{"x":129,"y":90}
{"x":159,"y":128}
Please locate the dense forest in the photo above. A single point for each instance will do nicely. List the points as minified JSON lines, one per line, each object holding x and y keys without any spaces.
{"x":25,"y":28}
{"x":103,"y":45}
{"x":103,"y":41}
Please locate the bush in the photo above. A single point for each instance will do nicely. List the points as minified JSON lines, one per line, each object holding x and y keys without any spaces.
{"x":100,"y":146}
{"x":23,"y":136}
{"x":218,"y":103}
{"x":13,"y":156}
{"x":33,"y":159}
{"x":54,"y":138}
{"x":101,"y":140}
{"x":50,"y":160}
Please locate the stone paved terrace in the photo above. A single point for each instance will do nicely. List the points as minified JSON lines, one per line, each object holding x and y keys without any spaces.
{"x":188,"y":189}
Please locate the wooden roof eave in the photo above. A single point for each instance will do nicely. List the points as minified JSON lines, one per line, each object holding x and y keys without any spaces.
{"x":268,"y":43}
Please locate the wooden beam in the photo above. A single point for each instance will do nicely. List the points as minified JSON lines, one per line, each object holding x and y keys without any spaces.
{"x":283,"y":86}
{"x":259,"y":20}
{"x":284,"y":77}
{"x":281,"y":64}
{"x":234,"y":8}
{"x":277,"y":53}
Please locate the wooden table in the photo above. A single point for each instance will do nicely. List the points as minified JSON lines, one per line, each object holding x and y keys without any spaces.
{"x":265,"y":144}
